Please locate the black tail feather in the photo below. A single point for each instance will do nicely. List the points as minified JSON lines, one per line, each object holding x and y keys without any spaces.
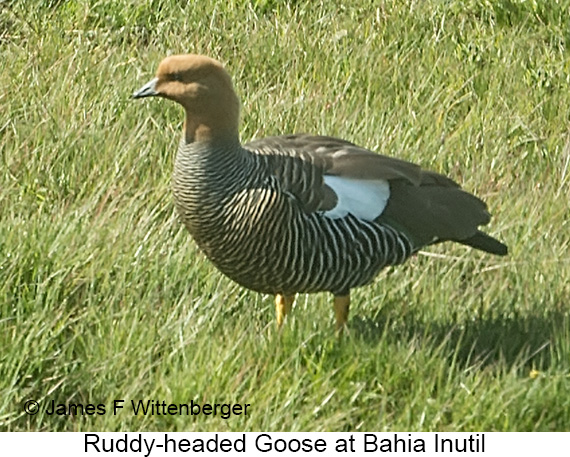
{"x":486,"y":243}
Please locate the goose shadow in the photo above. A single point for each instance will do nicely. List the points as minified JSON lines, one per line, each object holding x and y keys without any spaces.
{"x":523,"y":342}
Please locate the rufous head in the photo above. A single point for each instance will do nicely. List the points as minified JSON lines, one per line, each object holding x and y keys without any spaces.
{"x":204,"y":88}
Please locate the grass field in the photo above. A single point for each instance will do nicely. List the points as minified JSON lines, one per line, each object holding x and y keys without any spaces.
{"x":103,"y":294}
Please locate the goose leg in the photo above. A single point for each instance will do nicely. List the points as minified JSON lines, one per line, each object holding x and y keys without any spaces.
{"x":341,"y":306}
{"x":283,"y":305}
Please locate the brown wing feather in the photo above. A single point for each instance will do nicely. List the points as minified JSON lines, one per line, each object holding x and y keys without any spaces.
{"x":339,"y":157}
{"x":431,"y":213}
{"x":427,"y":206}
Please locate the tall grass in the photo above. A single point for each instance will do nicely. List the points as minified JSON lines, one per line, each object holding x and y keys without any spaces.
{"x":104,"y":296}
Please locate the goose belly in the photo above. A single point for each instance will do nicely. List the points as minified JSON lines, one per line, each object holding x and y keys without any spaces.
{"x":270,"y":247}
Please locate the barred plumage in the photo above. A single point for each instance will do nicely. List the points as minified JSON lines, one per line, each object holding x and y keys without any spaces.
{"x":259,"y":235}
{"x":300,"y":213}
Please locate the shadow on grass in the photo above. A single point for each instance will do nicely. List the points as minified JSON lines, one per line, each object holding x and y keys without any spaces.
{"x":515,"y":341}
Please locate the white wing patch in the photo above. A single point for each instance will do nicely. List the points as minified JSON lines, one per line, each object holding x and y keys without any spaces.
{"x":363,"y":198}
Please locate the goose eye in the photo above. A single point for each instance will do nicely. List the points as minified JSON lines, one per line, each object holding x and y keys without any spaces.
{"x":177,"y":77}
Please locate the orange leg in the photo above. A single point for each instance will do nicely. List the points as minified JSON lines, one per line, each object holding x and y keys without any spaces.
{"x":283,"y":305}
{"x":341,"y":306}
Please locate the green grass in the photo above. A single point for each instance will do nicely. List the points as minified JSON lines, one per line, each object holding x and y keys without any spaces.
{"x":104,"y":296}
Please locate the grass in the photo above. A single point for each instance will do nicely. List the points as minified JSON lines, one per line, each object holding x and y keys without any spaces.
{"x":104,"y":296}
